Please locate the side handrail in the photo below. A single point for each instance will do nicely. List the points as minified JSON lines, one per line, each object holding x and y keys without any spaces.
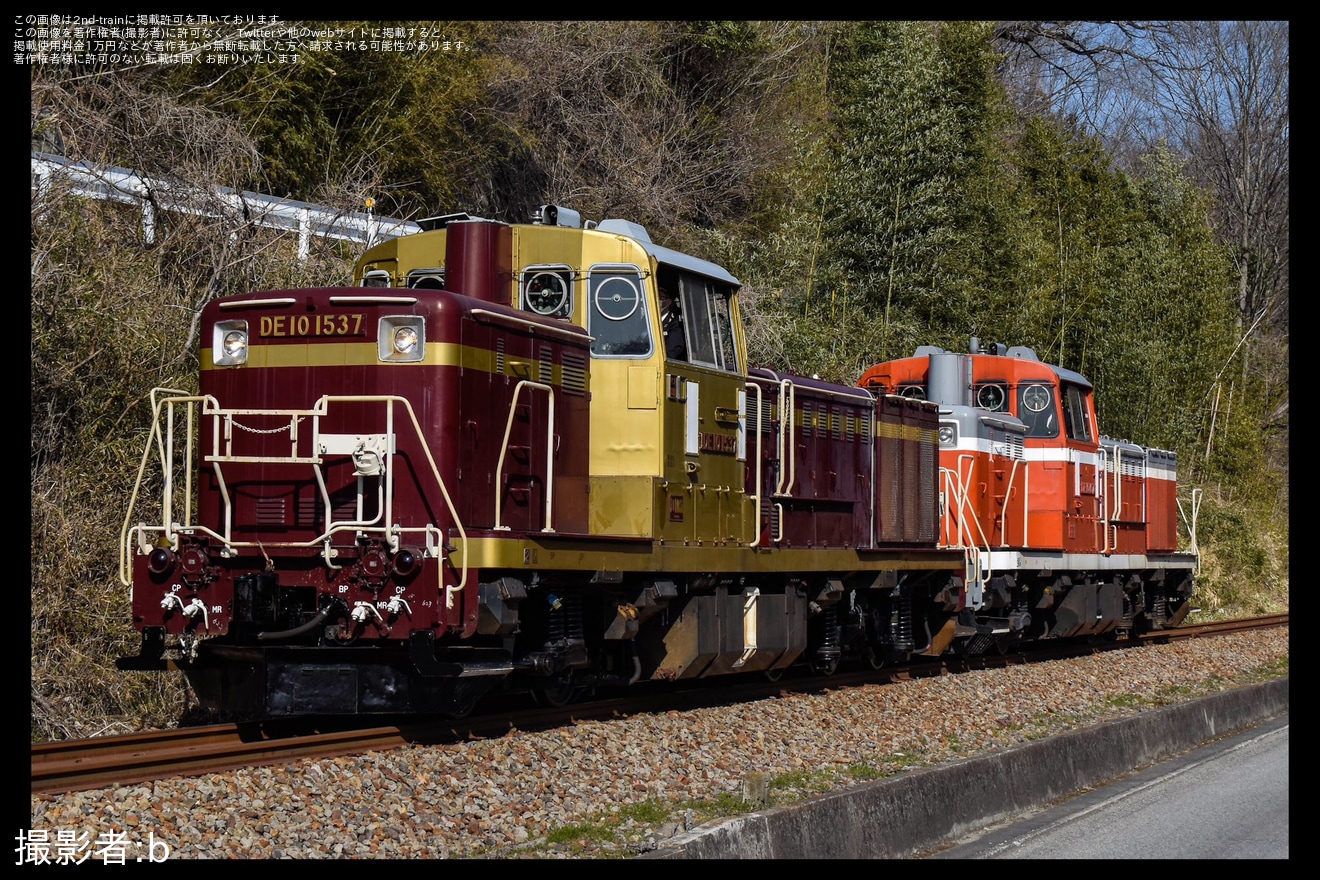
{"x":153,"y":438}
{"x":1191,"y":523}
{"x":1107,"y":498}
{"x":756,"y":498}
{"x":549,"y":453}
{"x":956,"y":486}
{"x":787,"y":460}
{"x":1010,"y":489}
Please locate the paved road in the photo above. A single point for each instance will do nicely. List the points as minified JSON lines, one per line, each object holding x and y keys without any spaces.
{"x":1228,"y":800}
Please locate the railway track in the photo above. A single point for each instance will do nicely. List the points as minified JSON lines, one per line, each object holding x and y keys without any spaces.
{"x":130,"y":759}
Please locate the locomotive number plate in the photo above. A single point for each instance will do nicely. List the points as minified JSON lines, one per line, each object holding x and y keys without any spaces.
{"x":340,"y":324}
{"x":720,"y":444}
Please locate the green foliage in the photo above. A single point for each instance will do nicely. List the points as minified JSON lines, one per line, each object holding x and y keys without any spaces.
{"x":1244,"y":557}
{"x":407,"y":127}
{"x":888,"y":207}
{"x":1160,"y":277}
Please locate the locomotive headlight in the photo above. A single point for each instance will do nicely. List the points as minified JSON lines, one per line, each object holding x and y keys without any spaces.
{"x":407,"y":561}
{"x":948,"y":435}
{"x":401,"y":338}
{"x":405,"y":340}
{"x":160,"y":561}
{"x":229,"y":343}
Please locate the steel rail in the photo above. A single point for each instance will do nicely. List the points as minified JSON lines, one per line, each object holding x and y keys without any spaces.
{"x":146,"y":756}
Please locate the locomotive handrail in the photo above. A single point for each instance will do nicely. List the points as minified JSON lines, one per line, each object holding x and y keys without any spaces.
{"x":164,"y":443}
{"x":383,"y":504}
{"x":787,"y":460}
{"x":549,"y":453}
{"x":1112,"y":504}
{"x":567,"y":332}
{"x":957,"y":488}
{"x":756,"y":531}
{"x":1191,"y":523}
{"x":1103,"y":494}
{"x":1018,"y":465}
{"x":449,"y":591}
{"x":126,"y":532}
{"x":1113,"y":510}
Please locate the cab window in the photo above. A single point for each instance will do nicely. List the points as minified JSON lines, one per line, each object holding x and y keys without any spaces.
{"x":912,"y":390}
{"x":1076,"y":416}
{"x":706,"y":312}
{"x":617,"y":313}
{"x":992,"y":396}
{"x":705,"y":309}
{"x":427,"y":279}
{"x":1038,"y":409}
{"x":547,"y":290}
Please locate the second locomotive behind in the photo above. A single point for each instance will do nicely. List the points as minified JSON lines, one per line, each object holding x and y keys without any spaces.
{"x":480,"y":469}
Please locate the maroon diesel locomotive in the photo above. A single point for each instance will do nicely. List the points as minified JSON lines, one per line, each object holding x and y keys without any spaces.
{"x":481,"y":469}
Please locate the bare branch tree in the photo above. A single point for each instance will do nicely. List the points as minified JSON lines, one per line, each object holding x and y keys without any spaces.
{"x":1083,"y":68}
{"x":617,"y":129}
{"x":1224,"y":101}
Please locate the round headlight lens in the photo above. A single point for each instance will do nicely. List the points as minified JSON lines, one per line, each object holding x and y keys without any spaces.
{"x":160,"y":561}
{"x":946,"y":435}
{"x":405,"y":340}
{"x":235,"y":343}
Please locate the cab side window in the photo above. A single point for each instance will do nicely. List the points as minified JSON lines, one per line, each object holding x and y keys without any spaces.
{"x":706,"y":315}
{"x":696,"y":315}
{"x":1076,"y":416}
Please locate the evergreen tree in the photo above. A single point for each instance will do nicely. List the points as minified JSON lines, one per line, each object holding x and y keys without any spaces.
{"x":889,"y":219}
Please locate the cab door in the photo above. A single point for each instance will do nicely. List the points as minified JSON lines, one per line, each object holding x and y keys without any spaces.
{"x":705,"y":402}
{"x":1084,"y":529}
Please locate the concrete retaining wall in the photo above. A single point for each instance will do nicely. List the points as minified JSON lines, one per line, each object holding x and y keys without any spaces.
{"x":906,"y":814}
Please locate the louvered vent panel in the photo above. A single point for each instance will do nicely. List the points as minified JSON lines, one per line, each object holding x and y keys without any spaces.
{"x":270,"y":511}
{"x":545,"y":368}
{"x":574,"y":369}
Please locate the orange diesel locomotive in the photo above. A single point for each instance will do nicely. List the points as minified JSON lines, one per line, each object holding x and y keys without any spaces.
{"x":478,"y":469}
{"x":1067,"y":532}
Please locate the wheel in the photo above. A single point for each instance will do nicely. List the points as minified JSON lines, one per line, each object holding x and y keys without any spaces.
{"x":463,"y":701}
{"x":460,"y":709}
{"x":825,"y":665}
{"x":555,"y":690}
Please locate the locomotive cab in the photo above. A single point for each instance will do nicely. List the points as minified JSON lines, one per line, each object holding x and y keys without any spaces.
{"x":660,"y":428}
